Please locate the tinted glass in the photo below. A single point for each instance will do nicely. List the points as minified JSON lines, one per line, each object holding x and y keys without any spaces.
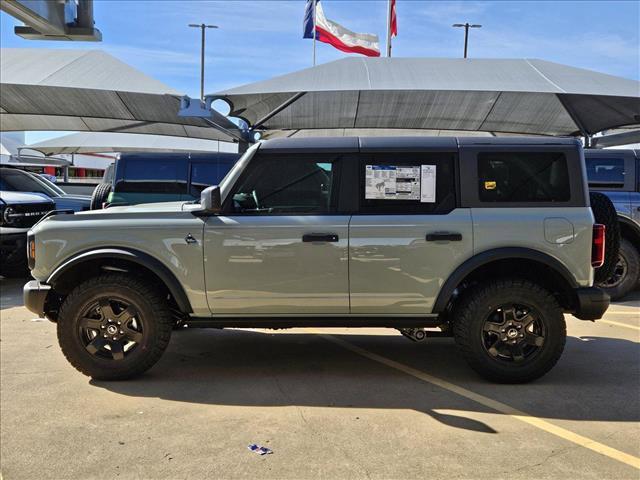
{"x":154,"y":176}
{"x":605,"y":171}
{"x":523,"y":177}
{"x":407,"y":183}
{"x":16,"y":181}
{"x":204,"y":175}
{"x":287,"y":184}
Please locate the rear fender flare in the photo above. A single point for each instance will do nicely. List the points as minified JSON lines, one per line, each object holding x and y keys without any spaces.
{"x":486,"y":257}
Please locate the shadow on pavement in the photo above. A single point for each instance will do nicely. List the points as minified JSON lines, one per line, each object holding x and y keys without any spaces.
{"x":596,"y":380}
{"x":11,"y":291}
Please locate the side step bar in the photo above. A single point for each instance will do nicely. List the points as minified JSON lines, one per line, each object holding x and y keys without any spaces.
{"x":285,"y":322}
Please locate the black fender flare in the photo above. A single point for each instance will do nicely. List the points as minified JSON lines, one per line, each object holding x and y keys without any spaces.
{"x":488,"y":256}
{"x":134,"y":256}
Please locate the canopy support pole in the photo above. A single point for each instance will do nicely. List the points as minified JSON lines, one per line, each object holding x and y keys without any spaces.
{"x":278,"y":109}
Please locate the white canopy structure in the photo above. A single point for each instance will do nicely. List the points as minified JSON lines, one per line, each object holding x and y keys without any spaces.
{"x":492,"y":95}
{"x":89,"y":90}
{"x":101,"y":142}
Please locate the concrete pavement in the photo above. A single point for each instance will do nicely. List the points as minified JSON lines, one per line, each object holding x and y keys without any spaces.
{"x":347,"y":403}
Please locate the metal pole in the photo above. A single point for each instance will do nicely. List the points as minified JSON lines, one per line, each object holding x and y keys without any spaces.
{"x":202,"y":27}
{"x":314,"y":32}
{"x":466,"y":38}
{"x":388,"y":28}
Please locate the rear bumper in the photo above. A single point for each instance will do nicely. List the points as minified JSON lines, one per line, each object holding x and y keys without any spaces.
{"x":35,"y":295}
{"x":591,"y":303}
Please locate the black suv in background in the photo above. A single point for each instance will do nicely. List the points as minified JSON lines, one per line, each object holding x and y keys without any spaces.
{"x":161,"y":177}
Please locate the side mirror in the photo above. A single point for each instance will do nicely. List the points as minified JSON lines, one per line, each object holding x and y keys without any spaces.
{"x":210,"y":201}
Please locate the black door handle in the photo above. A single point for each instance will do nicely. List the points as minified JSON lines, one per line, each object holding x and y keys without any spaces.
{"x":441,"y":236}
{"x":320,"y":237}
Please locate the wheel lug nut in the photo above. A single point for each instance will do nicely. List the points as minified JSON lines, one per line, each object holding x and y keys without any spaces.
{"x":121,"y":332}
{"x":101,"y":326}
{"x":118,"y":323}
{"x":521,"y":335}
{"x":115,"y":338}
{"x":105,"y":335}
{"x":513,"y":342}
{"x":519,"y":327}
{"x":503,"y":330}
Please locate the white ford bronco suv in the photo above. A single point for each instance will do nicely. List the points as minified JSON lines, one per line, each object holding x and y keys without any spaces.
{"x":490,"y":241}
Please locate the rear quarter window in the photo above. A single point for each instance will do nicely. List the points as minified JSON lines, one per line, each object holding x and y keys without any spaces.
{"x":523,"y":177}
{"x":155,"y":175}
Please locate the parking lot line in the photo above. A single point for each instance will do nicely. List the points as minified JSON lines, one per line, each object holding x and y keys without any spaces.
{"x":620,"y":324}
{"x":491,"y":403}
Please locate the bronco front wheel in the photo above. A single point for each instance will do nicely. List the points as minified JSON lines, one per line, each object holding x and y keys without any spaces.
{"x":510,"y":331}
{"x":114,"y":327}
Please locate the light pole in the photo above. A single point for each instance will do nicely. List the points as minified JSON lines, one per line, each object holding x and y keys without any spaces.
{"x":202,"y":27}
{"x":466,"y":26}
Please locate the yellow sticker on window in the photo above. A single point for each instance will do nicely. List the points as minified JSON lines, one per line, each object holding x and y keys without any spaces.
{"x":491,"y":185}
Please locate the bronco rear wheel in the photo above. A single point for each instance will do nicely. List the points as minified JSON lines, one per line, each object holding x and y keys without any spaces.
{"x":114,"y":327}
{"x":510,"y":331}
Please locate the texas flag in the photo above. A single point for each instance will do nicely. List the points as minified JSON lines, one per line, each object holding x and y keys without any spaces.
{"x":336,"y":35}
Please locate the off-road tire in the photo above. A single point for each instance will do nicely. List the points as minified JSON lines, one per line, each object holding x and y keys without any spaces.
{"x":147,"y":301}
{"x":468,"y":324}
{"x":631,"y":257}
{"x":100,"y":195}
{"x":605,"y":213}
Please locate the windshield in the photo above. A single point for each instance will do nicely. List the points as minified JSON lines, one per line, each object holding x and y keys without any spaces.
{"x":18,"y":181}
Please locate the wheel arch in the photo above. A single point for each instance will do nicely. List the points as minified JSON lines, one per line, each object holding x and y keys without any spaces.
{"x":629,"y":230}
{"x":510,"y":261}
{"x":88,"y":262}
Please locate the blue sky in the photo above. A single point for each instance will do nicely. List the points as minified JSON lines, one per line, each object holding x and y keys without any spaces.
{"x":260,"y":39}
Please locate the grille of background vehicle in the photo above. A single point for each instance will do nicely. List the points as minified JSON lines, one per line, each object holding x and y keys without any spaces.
{"x":29,"y":214}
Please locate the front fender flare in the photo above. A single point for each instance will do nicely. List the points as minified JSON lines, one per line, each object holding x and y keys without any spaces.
{"x":134,"y":256}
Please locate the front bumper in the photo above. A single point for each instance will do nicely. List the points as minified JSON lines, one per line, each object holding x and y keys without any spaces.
{"x":35,"y":295}
{"x":591,"y":303}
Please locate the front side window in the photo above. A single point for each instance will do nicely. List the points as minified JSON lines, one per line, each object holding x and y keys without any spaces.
{"x":523,"y":177}
{"x":605,"y":171}
{"x":287,"y":184}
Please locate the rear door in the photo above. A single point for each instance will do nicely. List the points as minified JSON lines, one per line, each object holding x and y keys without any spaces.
{"x":280,"y":247}
{"x":407,"y":236}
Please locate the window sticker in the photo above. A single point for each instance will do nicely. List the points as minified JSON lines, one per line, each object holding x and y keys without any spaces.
{"x":390,"y":182}
{"x":428,"y":184}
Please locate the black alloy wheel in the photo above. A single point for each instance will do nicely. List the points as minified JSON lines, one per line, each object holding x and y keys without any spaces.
{"x":513,"y":333}
{"x":111,"y":328}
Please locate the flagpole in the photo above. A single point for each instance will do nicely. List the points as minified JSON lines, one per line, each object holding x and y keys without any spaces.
{"x":314,"y":32}
{"x":388,"y":28}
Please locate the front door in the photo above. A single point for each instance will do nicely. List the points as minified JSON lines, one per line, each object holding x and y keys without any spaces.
{"x":408,"y":235}
{"x":279,"y":247}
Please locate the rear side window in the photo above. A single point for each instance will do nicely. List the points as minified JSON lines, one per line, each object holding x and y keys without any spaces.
{"x":523,"y":177}
{"x":607,"y":172}
{"x":286,"y":185}
{"x":407,"y":183}
{"x":155,"y":175}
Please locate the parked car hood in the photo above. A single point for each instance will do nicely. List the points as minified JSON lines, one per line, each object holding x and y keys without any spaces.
{"x":13,"y":198}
